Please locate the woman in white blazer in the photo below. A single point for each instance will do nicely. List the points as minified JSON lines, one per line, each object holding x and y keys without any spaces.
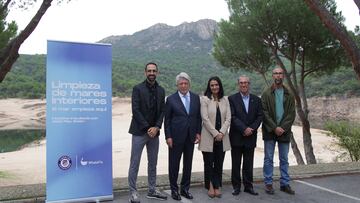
{"x":216,"y":118}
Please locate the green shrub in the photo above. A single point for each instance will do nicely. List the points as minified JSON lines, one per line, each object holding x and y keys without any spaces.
{"x":12,"y":140}
{"x":348,"y":137}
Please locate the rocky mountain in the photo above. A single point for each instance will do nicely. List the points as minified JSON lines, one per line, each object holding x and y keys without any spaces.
{"x":192,"y":37}
{"x":183,"y":48}
{"x":186,"y":47}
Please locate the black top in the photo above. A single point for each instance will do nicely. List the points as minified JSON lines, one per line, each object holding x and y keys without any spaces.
{"x":148,"y":107}
{"x":218,"y":119}
{"x":152,"y":103}
{"x":218,"y":123}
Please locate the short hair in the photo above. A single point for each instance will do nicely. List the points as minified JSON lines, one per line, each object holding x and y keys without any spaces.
{"x":278,"y":68}
{"x":243,"y":76}
{"x":151,"y":63}
{"x":208,"y":90}
{"x":182,"y":75}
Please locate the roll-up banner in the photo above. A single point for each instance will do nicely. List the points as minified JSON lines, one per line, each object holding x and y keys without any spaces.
{"x":78,"y":122}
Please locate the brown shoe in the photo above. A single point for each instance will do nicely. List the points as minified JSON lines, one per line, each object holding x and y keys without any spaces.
{"x":269,"y":189}
{"x":287,"y":189}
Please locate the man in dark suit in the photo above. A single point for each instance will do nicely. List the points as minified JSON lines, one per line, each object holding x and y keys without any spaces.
{"x":182,"y":131}
{"x":246,"y":117}
{"x":148,"y":108}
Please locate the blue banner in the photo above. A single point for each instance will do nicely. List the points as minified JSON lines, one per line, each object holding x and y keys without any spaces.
{"x":78,"y":122}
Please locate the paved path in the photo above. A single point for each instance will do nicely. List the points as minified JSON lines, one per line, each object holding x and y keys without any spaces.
{"x":337,"y":188}
{"x":331,"y":182}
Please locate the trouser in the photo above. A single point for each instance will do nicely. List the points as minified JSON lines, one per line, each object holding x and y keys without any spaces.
{"x":175,"y":153}
{"x":247,"y":154}
{"x":269,"y":147}
{"x":137,"y":146}
{"x":213,"y":166}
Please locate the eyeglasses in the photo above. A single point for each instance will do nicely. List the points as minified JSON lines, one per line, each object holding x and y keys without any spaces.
{"x":278,"y":73}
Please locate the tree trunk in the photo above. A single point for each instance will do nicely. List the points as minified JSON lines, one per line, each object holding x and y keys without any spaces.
{"x":308,"y":148}
{"x":307,"y":141}
{"x":357,"y":2}
{"x":297,"y":154}
{"x":10,"y":54}
{"x":338,"y":31}
{"x":294,"y":146}
{"x":309,"y":152}
{"x":266,"y":81}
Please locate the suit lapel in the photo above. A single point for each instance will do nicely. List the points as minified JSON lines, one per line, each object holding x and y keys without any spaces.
{"x":251,"y":102}
{"x":221,"y":107}
{"x":180,"y":103}
{"x":242,"y":105}
{"x":192,"y":100}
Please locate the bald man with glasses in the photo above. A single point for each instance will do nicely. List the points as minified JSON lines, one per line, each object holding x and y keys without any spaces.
{"x":279,"y":114}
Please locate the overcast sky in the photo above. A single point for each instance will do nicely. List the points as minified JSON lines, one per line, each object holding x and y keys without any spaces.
{"x":93,"y":20}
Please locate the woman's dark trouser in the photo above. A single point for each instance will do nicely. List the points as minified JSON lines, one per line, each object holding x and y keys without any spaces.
{"x":213,"y":166}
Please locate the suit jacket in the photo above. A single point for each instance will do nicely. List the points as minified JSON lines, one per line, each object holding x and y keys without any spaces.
{"x":208,"y":115}
{"x":140,"y":103}
{"x":240,"y":120}
{"x":178,"y":124}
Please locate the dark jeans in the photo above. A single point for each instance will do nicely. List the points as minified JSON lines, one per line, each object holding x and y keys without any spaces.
{"x":213,"y":166}
{"x":283,"y":148}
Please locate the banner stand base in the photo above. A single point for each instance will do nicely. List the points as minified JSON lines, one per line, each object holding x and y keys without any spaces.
{"x":87,"y":199}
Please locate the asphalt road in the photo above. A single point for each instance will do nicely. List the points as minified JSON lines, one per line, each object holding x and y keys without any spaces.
{"x":330,"y":189}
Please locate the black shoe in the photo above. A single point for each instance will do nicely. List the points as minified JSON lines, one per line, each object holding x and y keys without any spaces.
{"x":175,"y":195}
{"x":251,"y":191}
{"x":269,"y":189}
{"x":287,"y":189}
{"x":236,"y":191}
{"x":186,"y":194}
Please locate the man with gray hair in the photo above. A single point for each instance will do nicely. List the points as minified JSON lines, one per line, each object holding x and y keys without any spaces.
{"x":182,"y":131}
{"x":246,"y":117}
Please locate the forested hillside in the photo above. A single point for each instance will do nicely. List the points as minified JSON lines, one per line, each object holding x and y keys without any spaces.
{"x":186,"y":47}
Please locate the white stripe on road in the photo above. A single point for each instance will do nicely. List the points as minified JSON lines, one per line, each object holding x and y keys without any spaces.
{"x":183,"y":199}
{"x":328,"y":190}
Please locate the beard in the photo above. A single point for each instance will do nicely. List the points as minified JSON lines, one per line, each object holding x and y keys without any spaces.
{"x":278,"y":81}
{"x":151,"y":78}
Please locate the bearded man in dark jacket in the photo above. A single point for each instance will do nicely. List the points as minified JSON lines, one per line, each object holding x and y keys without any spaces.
{"x":279,"y":115}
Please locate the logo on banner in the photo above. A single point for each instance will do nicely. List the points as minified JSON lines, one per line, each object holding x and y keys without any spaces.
{"x":85,"y":163}
{"x":64,"y":162}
